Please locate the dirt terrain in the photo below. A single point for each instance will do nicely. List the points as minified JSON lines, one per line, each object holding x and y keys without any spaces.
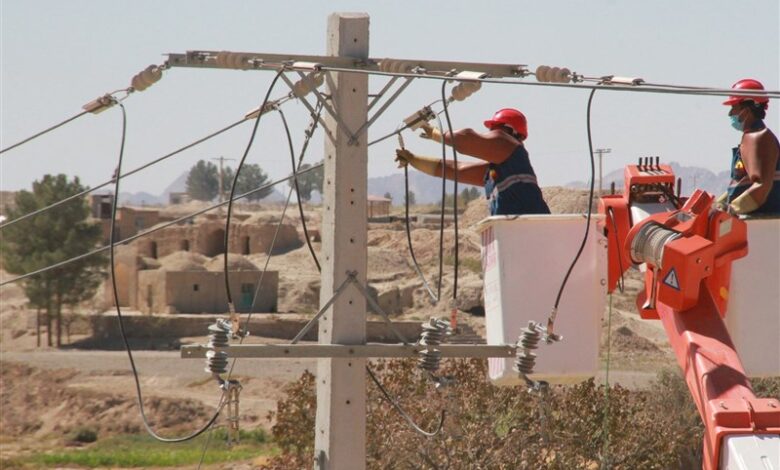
{"x":46,"y":393}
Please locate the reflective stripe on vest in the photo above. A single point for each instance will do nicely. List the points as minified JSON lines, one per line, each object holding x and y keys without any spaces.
{"x":514,"y":179}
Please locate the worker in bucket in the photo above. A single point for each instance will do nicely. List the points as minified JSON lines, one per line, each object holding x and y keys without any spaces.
{"x":755,"y":163}
{"x":505,"y":170}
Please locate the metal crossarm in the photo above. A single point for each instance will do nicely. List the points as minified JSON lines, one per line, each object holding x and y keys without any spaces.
{"x":370,"y":350}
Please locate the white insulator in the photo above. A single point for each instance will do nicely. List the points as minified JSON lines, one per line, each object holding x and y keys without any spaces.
{"x":400,"y":66}
{"x":385,"y":65}
{"x":525,"y":359}
{"x":146,"y":78}
{"x":308,"y":83}
{"x":552,"y":75}
{"x":222,"y":58}
{"x":542,"y":73}
{"x":458,"y":93}
{"x":564,"y":75}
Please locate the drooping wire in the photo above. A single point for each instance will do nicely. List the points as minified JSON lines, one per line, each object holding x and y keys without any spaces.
{"x":605,"y":464}
{"x":443,"y":205}
{"x":310,"y":132}
{"x":156,"y":228}
{"x":416,"y":265}
{"x":124,"y":175}
{"x":403,"y":413}
{"x":455,"y":187}
{"x":551,"y":319}
{"x":228,"y":292}
{"x":112,"y":233}
{"x":45,"y":131}
{"x":245,"y":329}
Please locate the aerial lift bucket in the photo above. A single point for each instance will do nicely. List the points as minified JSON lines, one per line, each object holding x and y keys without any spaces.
{"x":524,"y":261}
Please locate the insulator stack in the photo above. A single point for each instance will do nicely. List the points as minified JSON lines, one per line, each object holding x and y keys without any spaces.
{"x":395,"y":66}
{"x":525,"y":359}
{"x":547,"y":74}
{"x":219,"y":337}
{"x":308,"y":83}
{"x":146,"y":78}
{"x":434,"y":333}
{"x":648,"y":244}
{"x":465,"y":89}
{"x":233,"y":60}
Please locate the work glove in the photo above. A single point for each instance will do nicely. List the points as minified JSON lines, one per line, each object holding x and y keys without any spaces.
{"x":403,"y":157}
{"x":744,"y":204}
{"x":721,"y":203}
{"x":429,"y":166}
{"x":431,"y":133}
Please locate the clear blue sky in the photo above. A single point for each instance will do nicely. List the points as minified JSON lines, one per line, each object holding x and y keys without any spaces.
{"x":58,"y":55}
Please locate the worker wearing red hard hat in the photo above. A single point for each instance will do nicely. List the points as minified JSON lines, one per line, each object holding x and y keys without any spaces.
{"x":505,"y":170}
{"x":755,"y":164}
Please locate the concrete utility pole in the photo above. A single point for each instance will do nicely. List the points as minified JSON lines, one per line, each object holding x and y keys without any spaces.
{"x":221,"y":189}
{"x":340,"y":440}
{"x":601,"y":152}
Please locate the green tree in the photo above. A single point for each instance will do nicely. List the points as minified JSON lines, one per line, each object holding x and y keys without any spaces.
{"x":203,"y":181}
{"x":308,"y":182}
{"x":412,"y":198}
{"x":251,"y":177}
{"x":49,"y":238}
{"x":388,"y":196}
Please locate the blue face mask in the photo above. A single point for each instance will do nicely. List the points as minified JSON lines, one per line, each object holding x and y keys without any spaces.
{"x":736,"y":123}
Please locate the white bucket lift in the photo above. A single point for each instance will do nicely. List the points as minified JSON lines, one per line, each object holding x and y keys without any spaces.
{"x":753,"y":313}
{"x":524,"y":260}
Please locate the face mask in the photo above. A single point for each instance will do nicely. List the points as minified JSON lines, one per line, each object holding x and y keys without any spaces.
{"x":736,"y":123}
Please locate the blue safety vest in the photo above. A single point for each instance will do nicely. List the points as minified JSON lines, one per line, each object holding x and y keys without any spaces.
{"x":511,"y":186}
{"x":740,"y":182}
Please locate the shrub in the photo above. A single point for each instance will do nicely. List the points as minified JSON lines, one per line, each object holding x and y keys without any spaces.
{"x":85,"y":435}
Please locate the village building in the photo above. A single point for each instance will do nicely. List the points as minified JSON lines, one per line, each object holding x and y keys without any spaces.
{"x":378,"y":207}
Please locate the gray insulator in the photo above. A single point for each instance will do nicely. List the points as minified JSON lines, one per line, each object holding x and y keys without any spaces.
{"x":529,"y":340}
{"x":219,"y":337}
{"x":433,"y":334}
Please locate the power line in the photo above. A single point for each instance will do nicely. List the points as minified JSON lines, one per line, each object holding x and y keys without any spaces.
{"x":131,"y":172}
{"x":157,"y":228}
{"x":45,"y":131}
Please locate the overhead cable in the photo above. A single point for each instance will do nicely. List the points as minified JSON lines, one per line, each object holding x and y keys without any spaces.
{"x":45,"y":131}
{"x":228,"y":292}
{"x":115,"y":290}
{"x":157,"y":227}
{"x":124,"y":175}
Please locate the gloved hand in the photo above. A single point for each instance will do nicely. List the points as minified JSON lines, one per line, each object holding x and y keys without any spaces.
{"x":403,"y":157}
{"x":431,"y":133}
{"x":721,"y":203}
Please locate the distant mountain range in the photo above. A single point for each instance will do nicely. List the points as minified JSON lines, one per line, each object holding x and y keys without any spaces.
{"x":692,"y":177}
{"x":427,"y":189}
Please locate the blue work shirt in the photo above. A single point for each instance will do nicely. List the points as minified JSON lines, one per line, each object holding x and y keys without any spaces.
{"x":511,"y":186}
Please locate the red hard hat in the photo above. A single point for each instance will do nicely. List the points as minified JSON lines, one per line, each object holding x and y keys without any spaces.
{"x":746,"y":84}
{"x":509,"y":117}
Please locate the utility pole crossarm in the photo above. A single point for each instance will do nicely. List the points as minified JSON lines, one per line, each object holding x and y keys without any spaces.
{"x":264,"y":61}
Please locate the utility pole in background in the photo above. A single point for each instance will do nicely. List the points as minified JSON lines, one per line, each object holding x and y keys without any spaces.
{"x":601,"y":152}
{"x":221,"y":189}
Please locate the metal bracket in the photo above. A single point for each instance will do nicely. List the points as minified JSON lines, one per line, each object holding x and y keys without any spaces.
{"x":381,"y":110}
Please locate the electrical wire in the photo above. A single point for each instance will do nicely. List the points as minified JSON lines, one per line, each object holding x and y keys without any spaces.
{"x":554,"y":313}
{"x":416,"y":265}
{"x":156,"y":228}
{"x":600,"y":85}
{"x":403,"y":413}
{"x":131,"y":172}
{"x":315,"y":119}
{"x":441,"y":217}
{"x":228,"y":292}
{"x":295,"y":172}
{"x":45,"y":131}
{"x":455,"y":188}
{"x":115,"y":289}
